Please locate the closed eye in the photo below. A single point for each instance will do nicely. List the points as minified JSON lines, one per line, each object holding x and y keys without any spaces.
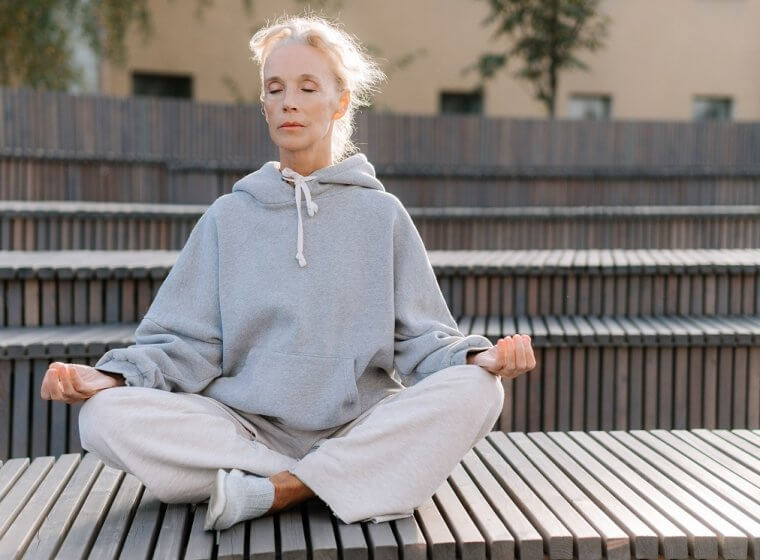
{"x":279,"y":90}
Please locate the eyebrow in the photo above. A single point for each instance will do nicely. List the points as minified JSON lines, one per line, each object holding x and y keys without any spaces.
{"x":308,"y":76}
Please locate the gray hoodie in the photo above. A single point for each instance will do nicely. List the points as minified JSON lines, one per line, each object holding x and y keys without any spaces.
{"x":306,"y":311}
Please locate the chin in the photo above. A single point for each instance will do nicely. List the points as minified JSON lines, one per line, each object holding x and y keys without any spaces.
{"x":293,"y":146}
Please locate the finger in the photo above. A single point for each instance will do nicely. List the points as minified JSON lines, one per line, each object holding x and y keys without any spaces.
{"x":55,"y":383}
{"x":69,"y":394}
{"x":497,"y":358}
{"x":520,"y":361}
{"x":509,"y":362}
{"x":77,"y":385}
{"x":530,"y":354}
{"x":44,"y":393}
{"x":44,"y":390}
{"x":531,"y":360}
{"x":502,"y":344}
{"x":68,"y":388}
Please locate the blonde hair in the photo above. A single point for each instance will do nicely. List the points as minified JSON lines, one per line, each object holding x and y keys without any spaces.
{"x":353,"y":68}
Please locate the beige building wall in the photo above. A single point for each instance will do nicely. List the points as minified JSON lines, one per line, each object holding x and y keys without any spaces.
{"x":659,"y":54}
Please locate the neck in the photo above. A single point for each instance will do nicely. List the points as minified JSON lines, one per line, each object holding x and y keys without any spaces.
{"x":305,"y":163}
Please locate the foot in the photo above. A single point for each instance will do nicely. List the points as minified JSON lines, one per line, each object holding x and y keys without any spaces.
{"x":218,"y":499}
{"x":237,"y":496}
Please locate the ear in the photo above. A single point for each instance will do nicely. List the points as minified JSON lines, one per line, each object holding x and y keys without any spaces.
{"x":345,"y":97}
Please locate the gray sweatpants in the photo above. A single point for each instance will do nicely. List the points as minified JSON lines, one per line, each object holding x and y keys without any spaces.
{"x":380,"y":466}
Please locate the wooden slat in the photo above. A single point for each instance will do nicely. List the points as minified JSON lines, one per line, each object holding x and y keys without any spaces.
{"x":742,"y":443}
{"x":435,"y":530}
{"x":100,"y":519}
{"x":732,"y":528}
{"x":21,"y":489}
{"x":262,"y":535}
{"x":411,"y":539}
{"x":471,"y":544}
{"x":558,"y":540}
{"x":499,"y":542}
{"x":644,"y":540}
{"x":37,"y":503}
{"x":528,"y":541}
{"x":321,"y":533}
{"x":169,"y":543}
{"x":736,"y":453}
{"x":144,"y":528}
{"x":381,"y":540}
{"x":615,"y":542}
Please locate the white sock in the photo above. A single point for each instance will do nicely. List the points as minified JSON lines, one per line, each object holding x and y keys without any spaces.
{"x":238,"y":496}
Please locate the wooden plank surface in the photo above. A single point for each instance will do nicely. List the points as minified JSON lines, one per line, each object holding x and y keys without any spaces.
{"x":540,"y":495}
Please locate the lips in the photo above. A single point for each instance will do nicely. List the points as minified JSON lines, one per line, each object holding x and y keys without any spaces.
{"x":291,"y":125}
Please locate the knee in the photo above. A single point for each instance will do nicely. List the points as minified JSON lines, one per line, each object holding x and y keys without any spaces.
{"x":488,"y":392}
{"x":491,"y":392}
{"x":99,"y":415}
{"x":477,"y":387}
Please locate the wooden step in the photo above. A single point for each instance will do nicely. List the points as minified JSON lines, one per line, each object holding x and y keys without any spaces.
{"x":63,"y":287}
{"x":546,"y":331}
{"x":534,"y":496}
{"x":591,"y":373}
{"x":67,"y":225}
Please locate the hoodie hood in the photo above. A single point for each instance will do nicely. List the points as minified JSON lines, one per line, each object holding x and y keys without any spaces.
{"x":270,"y":185}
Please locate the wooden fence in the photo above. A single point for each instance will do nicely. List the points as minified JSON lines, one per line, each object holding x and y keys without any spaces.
{"x":57,"y":146}
{"x":162,"y":128}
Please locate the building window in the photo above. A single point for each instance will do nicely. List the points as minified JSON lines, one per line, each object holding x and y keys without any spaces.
{"x":589,"y":107}
{"x":712,"y":108}
{"x":162,"y":85}
{"x":461,"y":102}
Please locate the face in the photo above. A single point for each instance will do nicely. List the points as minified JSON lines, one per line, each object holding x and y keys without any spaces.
{"x":299,"y":87}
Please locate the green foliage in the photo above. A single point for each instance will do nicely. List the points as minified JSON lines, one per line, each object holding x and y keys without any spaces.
{"x":36,"y":36}
{"x":546,"y":36}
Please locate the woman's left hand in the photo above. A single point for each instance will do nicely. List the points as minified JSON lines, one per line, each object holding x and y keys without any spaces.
{"x":510,"y":357}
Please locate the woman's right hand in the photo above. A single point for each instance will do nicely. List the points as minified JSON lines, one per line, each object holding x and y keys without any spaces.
{"x":72,"y":383}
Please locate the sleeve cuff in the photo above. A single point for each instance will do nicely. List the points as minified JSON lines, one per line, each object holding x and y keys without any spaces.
{"x":473,"y":342}
{"x":112,"y":362}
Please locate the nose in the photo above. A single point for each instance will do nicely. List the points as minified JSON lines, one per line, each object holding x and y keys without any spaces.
{"x":286,"y":100}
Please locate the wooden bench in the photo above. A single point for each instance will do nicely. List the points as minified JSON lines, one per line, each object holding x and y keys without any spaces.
{"x":591,"y":373}
{"x":533,"y":496}
{"x":75,"y":225}
{"x":80,"y":225}
{"x":62,"y":287}
{"x":419,"y":178}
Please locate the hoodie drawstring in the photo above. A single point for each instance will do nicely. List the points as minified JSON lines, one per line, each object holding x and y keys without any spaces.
{"x":311,"y":206}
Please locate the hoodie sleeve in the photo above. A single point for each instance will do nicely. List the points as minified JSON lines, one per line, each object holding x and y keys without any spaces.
{"x":178,"y":343}
{"x":427,"y":338}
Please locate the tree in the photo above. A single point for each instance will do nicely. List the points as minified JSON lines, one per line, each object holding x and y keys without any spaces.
{"x":546,"y":35}
{"x":36,"y":36}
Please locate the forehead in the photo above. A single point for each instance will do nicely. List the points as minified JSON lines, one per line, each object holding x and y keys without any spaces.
{"x":296,"y":61}
{"x":300,"y":77}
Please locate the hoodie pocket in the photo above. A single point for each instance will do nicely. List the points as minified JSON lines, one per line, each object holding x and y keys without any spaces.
{"x":302,"y":391}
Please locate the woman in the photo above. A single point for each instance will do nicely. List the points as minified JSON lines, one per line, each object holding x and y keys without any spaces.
{"x":340,"y":372}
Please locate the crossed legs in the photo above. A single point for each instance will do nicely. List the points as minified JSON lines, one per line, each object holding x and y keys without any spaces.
{"x":375,"y":468}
